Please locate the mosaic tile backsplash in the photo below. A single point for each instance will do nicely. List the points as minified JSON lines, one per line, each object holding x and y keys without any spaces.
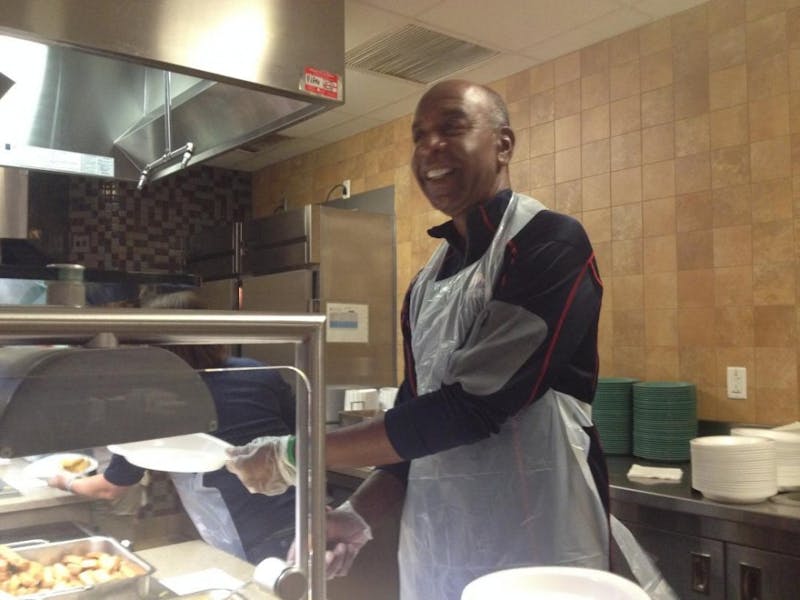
{"x":114,"y":226}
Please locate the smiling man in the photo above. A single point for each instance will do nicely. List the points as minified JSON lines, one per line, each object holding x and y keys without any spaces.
{"x":489,"y":449}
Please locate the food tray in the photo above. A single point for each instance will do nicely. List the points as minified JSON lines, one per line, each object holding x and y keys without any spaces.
{"x":48,"y":553}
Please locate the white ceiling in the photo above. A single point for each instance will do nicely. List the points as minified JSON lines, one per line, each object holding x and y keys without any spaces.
{"x":523,"y":32}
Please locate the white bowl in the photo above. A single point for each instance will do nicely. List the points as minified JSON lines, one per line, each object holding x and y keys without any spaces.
{"x":552,"y":583}
{"x":192,"y":453}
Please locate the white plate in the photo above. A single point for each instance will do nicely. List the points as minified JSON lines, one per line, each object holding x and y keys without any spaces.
{"x":192,"y":453}
{"x":784,"y":437}
{"x":552,"y":583}
{"x":740,"y":498}
{"x":44,"y":468}
{"x":729,"y":442}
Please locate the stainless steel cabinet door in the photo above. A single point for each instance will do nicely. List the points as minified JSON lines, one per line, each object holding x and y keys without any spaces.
{"x":693,"y":566}
{"x":760,"y":575}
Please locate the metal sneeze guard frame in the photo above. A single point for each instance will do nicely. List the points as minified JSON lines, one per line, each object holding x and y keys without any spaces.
{"x":80,"y":326}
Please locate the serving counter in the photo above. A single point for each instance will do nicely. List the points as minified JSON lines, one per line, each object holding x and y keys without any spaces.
{"x":194,"y":558}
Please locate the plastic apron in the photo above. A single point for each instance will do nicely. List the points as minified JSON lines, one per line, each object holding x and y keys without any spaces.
{"x":522,"y":497}
{"x":208,"y":512}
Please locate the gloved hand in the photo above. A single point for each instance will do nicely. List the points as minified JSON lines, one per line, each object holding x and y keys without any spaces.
{"x":62,"y":481}
{"x":346,"y":533}
{"x":265,"y":465}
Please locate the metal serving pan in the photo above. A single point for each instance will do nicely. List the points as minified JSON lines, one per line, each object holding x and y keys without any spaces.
{"x":51,"y":552}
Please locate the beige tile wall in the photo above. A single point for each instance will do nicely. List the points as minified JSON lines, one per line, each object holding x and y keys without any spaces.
{"x":678,"y":147}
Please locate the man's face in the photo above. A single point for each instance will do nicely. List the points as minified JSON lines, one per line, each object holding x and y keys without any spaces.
{"x":458,"y":151}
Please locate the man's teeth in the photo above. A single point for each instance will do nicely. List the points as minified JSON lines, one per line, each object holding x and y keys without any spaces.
{"x":437,"y":173}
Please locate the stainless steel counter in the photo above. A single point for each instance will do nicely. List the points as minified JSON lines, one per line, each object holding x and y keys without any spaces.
{"x":679,"y":496}
{"x":196,"y":556}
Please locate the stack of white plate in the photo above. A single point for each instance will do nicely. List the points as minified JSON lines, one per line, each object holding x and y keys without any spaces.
{"x":734,"y":469}
{"x":787,"y":454}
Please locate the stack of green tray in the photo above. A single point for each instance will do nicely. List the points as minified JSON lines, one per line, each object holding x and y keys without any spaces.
{"x":612,"y":413}
{"x":664,"y":420}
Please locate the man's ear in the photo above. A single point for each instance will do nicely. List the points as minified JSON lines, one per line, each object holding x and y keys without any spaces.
{"x":505,"y":145}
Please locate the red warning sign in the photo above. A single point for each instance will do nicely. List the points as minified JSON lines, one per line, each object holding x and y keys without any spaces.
{"x":322,"y":83}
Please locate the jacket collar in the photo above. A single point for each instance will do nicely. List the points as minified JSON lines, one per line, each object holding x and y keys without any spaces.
{"x":482,"y":222}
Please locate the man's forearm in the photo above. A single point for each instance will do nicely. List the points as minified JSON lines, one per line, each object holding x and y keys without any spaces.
{"x":379,"y":498}
{"x":363,"y":445}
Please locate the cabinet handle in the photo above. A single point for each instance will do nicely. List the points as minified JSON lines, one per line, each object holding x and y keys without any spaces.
{"x":749,"y":582}
{"x":701,"y":573}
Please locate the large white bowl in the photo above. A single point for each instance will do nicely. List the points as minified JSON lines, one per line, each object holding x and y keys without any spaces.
{"x":192,"y":453}
{"x":552,"y":583}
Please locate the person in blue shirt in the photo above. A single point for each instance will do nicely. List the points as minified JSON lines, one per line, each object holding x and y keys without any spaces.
{"x":250,"y":402}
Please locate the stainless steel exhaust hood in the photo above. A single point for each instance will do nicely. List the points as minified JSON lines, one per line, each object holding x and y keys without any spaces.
{"x":115,"y":88}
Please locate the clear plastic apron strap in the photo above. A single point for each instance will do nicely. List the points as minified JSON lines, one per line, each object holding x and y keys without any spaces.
{"x":647,"y":574}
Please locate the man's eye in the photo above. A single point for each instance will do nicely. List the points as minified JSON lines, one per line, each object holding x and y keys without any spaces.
{"x":452,"y":129}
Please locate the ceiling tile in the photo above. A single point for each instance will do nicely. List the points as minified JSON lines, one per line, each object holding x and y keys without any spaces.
{"x":408,"y":8}
{"x":365,"y":92}
{"x":520,"y":23}
{"x":363,"y":22}
{"x":397,"y":109}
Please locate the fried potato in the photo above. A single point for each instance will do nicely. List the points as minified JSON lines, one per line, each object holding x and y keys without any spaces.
{"x":20,"y":577}
{"x":75,"y":464}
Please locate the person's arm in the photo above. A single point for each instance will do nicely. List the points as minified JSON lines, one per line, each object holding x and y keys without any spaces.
{"x":379,"y":498}
{"x":286,"y":402}
{"x":96,"y":486}
{"x":111,"y":484}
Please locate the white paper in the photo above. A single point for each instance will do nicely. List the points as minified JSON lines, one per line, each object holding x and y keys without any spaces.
{"x":347,"y":323}
{"x":667,"y":473}
{"x":207,"y":579}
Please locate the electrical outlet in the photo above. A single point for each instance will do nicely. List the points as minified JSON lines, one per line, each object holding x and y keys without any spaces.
{"x":346,"y":189}
{"x":737,"y":382}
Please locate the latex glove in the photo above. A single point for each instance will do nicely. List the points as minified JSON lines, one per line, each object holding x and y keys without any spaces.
{"x":263,"y":465}
{"x":346,"y":534}
{"x":62,"y":481}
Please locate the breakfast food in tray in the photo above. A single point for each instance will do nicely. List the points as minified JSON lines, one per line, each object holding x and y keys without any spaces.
{"x":75,"y":464}
{"x":20,"y":576}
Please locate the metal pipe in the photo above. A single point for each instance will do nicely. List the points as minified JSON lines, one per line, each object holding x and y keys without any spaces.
{"x":317,"y":468}
{"x":167,"y":112}
{"x":186,"y":151}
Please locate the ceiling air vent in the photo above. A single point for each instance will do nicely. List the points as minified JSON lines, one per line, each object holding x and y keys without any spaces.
{"x":416,"y":54}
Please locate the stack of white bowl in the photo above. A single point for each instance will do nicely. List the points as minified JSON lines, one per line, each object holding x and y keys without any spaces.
{"x":787,"y":454}
{"x":734,"y":469}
